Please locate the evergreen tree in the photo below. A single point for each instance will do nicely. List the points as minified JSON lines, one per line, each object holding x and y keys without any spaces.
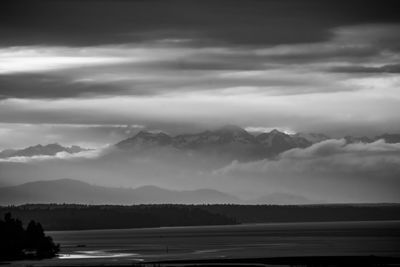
{"x":18,"y":243}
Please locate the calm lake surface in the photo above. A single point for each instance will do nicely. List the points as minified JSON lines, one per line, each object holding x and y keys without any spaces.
{"x":238,"y":241}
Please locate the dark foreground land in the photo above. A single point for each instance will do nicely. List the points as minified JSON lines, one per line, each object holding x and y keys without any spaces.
{"x":217,"y":235}
{"x":328,"y":261}
{"x":18,"y":242}
{"x":288,"y":261}
{"x":84,"y":217}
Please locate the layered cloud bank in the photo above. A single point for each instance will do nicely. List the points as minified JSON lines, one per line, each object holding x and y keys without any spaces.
{"x":346,"y":84}
{"x":59,"y":155}
{"x":331,"y":170}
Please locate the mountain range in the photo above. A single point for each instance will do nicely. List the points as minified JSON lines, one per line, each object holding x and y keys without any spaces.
{"x":40,"y":150}
{"x":231,"y":142}
{"x":74,"y":191}
{"x":235,"y":143}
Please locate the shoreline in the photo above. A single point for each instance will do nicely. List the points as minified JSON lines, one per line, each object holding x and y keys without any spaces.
{"x":305,"y":261}
{"x":227,"y":225}
{"x":320,"y":261}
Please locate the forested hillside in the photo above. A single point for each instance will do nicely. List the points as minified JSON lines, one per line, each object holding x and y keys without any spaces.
{"x":79,"y":217}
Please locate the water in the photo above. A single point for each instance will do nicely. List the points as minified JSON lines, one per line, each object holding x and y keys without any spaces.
{"x":237,"y":241}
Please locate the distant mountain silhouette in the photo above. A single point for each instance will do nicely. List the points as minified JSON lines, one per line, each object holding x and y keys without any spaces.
{"x":144,"y":138}
{"x":40,"y":150}
{"x":282,"y":199}
{"x":230,"y":142}
{"x":233,"y":143}
{"x":358,"y":139}
{"x":312,"y":137}
{"x":73,"y":191}
{"x":277,"y":142}
{"x":389,"y":138}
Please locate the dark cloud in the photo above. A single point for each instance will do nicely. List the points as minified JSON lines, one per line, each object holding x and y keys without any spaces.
{"x":40,"y":86}
{"x":50,"y":86}
{"x":177,"y":66}
{"x":326,"y":54}
{"x":150,"y":79}
{"x":251,"y":22}
{"x":391,"y":68}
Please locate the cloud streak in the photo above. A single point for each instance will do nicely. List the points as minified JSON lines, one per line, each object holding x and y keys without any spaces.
{"x":90,"y":154}
{"x":158,"y":68}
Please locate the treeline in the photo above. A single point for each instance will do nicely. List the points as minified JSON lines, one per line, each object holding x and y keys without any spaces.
{"x":17,"y":242}
{"x":80,"y":217}
{"x":307,"y":213}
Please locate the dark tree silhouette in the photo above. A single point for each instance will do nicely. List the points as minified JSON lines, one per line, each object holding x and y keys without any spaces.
{"x":18,"y":243}
{"x":34,"y":233}
{"x":12,"y":237}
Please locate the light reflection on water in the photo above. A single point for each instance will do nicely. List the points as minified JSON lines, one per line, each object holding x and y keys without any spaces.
{"x":96,"y":254}
{"x":262,"y":240}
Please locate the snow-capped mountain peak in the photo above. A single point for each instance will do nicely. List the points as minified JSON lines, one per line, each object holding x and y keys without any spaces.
{"x":233,"y":142}
{"x":146,"y":138}
{"x":40,"y":150}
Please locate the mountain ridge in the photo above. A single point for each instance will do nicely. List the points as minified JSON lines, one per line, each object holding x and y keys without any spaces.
{"x":229,"y":141}
{"x":235,"y":143}
{"x":73,"y":191}
{"x":41,"y":150}
{"x":79,"y":192}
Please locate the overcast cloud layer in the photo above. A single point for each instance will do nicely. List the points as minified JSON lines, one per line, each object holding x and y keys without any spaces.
{"x":185,"y":65}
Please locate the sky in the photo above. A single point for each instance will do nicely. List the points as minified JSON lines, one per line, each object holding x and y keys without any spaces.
{"x":71,"y":68}
{"x":92,"y":73}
